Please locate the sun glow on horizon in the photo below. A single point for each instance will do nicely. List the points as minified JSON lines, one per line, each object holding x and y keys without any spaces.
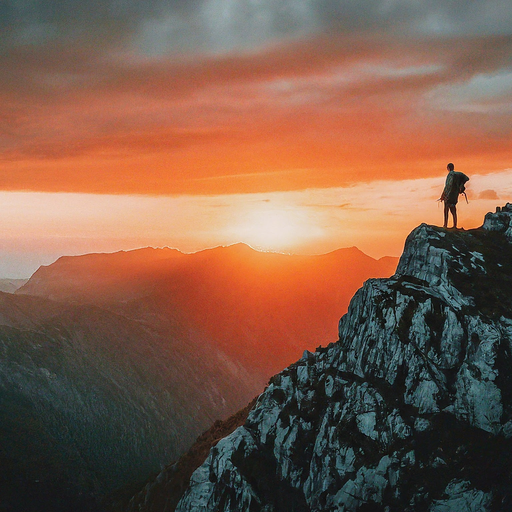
{"x":275,"y":228}
{"x":376,"y":217}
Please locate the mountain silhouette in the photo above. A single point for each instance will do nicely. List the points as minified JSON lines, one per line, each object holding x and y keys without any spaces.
{"x":11,"y":285}
{"x":261,"y":308}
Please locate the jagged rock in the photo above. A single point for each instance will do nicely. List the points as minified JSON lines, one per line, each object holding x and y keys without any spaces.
{"x":500,"y":221}
{"x":410,"y":410}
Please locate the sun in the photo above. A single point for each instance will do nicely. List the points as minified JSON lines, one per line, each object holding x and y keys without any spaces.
{"x":275,"y":228}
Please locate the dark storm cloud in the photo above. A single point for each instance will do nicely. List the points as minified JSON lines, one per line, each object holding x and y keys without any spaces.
{"x":87,"y":12}
{"x":221,"y":25}
{"x":102,"y":23}
{"x":435,"y":16}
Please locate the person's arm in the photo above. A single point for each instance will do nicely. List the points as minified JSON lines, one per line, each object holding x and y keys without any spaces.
{"x":446,"y":189}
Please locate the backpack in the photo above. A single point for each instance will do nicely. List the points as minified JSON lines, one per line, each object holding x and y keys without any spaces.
{"x":462,"y":184}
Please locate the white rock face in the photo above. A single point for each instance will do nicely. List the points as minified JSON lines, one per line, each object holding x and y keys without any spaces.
{"x":404,"y":411}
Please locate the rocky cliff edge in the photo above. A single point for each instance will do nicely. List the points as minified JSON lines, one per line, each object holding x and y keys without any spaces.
{"x":410,"y":410}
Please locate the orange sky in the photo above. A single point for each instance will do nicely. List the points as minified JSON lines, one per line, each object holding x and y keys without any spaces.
{"x":316,"y":113}
{"x":184,"y":105}
{"x":376,"y":217}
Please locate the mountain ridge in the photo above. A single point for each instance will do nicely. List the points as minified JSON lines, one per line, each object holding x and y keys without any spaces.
{"x":247,"y":302}
{"x":112,"y":265}
{"x":9,"y":285}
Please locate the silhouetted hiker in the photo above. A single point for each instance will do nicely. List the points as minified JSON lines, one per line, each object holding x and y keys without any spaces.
{"x":453,"y":187}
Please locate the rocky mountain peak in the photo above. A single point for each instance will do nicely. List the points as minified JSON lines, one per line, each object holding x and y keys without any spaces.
{"x":410,"y":410}
{"x":431,"y":252}
{"x":500,"y":221}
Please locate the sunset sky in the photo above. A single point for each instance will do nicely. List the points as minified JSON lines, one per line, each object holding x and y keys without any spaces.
{"x":292,"y":125}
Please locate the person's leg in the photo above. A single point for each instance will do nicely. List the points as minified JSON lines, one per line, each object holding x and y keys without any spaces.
{"x":453,"y":209}
{"x":445,"y":225}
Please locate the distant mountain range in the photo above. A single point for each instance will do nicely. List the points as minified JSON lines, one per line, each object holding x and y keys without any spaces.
{"x":264,"y":309}
{"x":11,"y":285}
{"x":112,"y":364}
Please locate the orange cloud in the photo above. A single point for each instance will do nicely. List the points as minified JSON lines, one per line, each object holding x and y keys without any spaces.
{"x":488,"y":194}
{"x":322,"y":113}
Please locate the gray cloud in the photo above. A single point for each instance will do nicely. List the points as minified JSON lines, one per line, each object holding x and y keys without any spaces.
{"x":219,"y":25}
{"x":158,"y":26}
{"x":101,"y":22}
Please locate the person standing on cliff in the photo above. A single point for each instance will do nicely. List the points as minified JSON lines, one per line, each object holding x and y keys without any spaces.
{"x":453,"y":187}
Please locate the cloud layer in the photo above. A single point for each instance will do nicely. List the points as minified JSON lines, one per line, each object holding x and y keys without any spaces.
{"x":219,"y":25}
{"x":215,"y":96}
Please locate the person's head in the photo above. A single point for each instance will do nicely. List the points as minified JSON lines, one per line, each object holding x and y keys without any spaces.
{"x":450,"y":167}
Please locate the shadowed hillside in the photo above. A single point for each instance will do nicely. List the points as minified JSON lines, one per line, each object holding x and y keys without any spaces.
{"x":92,"y":400}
